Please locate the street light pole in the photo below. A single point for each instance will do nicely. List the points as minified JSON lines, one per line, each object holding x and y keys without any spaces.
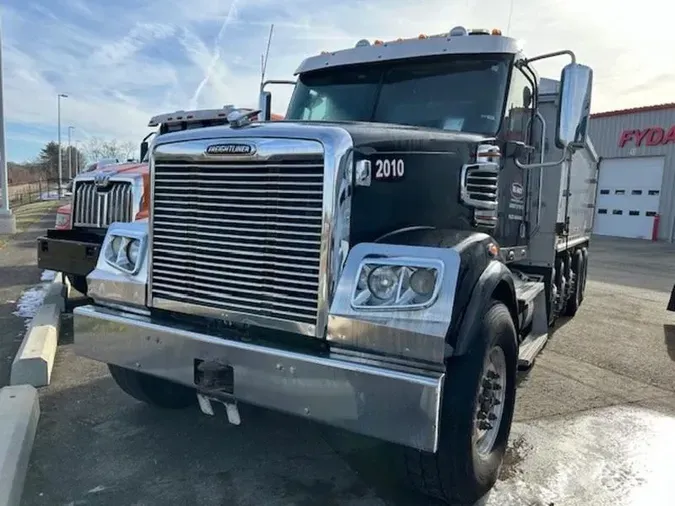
{"x":7,"y":220}
{"x":58,"y":113}
{"x":77,"y":157}
{"x":70,"y":155}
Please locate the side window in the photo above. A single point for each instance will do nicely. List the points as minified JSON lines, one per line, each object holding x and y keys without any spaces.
{"x":519,"y":104}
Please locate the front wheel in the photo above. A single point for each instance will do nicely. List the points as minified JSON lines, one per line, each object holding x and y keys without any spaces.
{"x":151,"y":390}
{"x":476,"y":415}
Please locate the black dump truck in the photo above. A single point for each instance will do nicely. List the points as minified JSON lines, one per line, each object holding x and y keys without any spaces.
{"x":384,"y":260}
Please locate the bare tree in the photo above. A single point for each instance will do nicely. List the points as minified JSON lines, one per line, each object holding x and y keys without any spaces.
{"x":97,"y":148}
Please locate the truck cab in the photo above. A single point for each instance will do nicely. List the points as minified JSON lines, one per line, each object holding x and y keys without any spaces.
{"x":383,"y":260}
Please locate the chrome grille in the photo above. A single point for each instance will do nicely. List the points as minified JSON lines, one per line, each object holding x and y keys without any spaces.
{"x":480,"y":190}
{"x":239,"y":237}
{"x":99,"y":207}
{"x":482,"y":185}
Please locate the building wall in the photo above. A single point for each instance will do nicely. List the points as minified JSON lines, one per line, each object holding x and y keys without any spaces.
{"x":609,"y":130}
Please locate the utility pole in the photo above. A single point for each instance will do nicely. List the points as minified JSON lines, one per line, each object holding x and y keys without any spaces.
{"x":70,"y":154}
{"x":58,"y":113}
{"x":7,"y":219}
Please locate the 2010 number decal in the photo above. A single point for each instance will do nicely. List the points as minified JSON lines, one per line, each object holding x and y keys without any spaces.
{"x":389,"y":169}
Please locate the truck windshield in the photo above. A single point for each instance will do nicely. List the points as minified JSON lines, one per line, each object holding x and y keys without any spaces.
{"x":465,"y":93}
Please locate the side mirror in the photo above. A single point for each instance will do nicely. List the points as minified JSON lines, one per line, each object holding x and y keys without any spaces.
{"x":265,"y":105}
{"x":574,"y":107}
{"x":144,"y":150}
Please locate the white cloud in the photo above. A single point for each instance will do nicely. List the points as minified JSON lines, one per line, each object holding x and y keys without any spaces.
{"x":122,"y":64}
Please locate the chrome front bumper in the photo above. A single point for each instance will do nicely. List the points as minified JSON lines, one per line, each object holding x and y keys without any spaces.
{"x":387,"y":404}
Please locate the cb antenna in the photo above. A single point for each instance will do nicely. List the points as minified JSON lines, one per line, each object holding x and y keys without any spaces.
{"x":264,"y":58}
{"x":508,"y":25}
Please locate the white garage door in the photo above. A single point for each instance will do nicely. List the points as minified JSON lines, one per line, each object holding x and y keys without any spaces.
{"x":629,"y":190}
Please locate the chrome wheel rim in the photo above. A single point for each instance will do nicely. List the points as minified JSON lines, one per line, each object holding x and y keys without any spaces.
{"x":490,"y":401}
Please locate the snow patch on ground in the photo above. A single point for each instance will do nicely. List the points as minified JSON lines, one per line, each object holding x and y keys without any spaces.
{"x":30,"y":301}
{"x":48,"y":275}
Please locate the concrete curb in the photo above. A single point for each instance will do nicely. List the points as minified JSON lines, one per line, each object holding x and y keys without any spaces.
{"x":35,"y":359}
{"x":19,"y":414}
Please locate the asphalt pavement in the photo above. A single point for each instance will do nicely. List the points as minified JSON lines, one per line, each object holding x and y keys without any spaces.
{"x":594,"y":422}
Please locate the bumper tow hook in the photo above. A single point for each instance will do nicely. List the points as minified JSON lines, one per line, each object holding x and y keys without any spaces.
{"x":206,"y":405}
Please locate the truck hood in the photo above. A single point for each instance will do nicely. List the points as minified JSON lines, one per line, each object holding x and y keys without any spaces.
{"x":127,"y":169}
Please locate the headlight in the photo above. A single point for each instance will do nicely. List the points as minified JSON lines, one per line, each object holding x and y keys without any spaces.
{"x":124,"y":251}
{"x":423,"y":281}
{"x":133,"y":249}
{"x":397,"y":283}
{"x":116,"y":245}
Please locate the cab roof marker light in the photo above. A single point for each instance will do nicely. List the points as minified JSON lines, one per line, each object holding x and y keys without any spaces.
{"x":457,"y":31}
{"x":363,"y":43}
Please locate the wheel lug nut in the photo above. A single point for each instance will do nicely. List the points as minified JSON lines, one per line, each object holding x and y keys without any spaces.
{"x":484,"y":426}
{"x":492,"y":417}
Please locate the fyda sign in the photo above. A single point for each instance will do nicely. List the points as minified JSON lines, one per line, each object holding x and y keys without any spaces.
{"x":652,"y":136}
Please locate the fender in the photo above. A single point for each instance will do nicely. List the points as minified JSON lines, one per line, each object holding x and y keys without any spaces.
{"x":496,"y":281}
{"x":482,"y":277}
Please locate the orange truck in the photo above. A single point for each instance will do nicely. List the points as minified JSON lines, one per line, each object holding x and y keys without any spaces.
{"x":113,"y":193}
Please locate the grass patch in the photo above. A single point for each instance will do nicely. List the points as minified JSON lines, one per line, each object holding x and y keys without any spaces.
{"x":30,"y":214}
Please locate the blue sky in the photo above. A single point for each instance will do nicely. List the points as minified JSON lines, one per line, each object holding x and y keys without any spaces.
{"x":122,"y":62}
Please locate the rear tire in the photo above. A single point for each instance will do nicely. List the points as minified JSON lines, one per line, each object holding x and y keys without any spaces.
{"x":584,"y":251}
{"x":462,"y":470}
{"x":574,"y":301}
{"x":79,"y":283}
{"x":151,"y":390}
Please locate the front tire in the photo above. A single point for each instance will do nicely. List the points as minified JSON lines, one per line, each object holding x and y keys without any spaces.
{"x":474,"y":428}
{"x":151,"y":390}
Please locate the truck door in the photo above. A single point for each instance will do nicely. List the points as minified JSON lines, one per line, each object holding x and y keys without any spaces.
{"x":517,"y":126}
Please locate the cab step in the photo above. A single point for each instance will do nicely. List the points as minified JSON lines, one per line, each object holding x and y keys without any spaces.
{"x":526,"y":291}
{"x":530,"y":348}
{"x":532,"y":307}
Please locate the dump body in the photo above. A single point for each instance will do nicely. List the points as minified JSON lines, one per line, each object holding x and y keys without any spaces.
{"x":563,"y":216}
